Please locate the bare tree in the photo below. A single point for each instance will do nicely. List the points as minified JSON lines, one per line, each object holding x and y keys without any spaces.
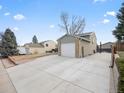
{"x":76,"y":26}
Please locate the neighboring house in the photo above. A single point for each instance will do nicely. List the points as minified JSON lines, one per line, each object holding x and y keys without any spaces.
{"x":35,"y":48}
{"x":49,"y":45}
{"x":106,"y":47}
{"x":77,"y":46}
{"x":23,"y":50}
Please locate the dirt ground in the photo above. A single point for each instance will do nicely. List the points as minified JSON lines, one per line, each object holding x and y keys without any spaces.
{"x":25,"y":58}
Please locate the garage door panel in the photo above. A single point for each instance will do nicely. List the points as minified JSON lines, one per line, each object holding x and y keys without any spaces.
{"x":68,"y":49}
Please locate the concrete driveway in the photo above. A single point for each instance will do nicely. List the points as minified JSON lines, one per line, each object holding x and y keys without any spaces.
{"x":55,"y":74}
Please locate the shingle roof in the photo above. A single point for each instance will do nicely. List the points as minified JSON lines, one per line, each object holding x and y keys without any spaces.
{"x":80,"y":36}
{"x":85,"y":34}
{"x":34,"y":45}
{"x":45,"y":41}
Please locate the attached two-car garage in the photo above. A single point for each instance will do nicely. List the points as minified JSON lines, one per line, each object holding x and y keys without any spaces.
{"x":68,"y":49}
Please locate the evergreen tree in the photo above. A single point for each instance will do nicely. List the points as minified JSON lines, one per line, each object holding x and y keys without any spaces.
{"x":34,"y":39}
{"x":9,"y":43}
{"x":119,"y":30}
{"x":1,"y":35}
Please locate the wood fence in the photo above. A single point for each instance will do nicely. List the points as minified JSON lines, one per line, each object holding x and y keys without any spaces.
{"x":119,"y":46}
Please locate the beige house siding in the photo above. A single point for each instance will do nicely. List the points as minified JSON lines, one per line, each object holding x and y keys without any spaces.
{"x":93,"y":43}
{"x":82,"y":48}
{"x":85,"y":46}
{"x":77,"y":48}
{"x":36,"y":50}
{"x":89,"y":48}
{"x":51,"y":45}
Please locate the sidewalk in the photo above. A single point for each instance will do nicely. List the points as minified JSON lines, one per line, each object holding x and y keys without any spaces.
{"x":5,"y":83}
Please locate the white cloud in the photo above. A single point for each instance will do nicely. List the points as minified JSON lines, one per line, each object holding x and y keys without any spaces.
{"x":105,"y":21}
{"x":7,"y":14}
{"x":19,"y":17}
{"x":15,"y":29}
{"x":111,"y":13}
{"x":52,"y":26}
{"x":105,"y":15}
{"x":99,"y":1}
{"x":1,"y":7}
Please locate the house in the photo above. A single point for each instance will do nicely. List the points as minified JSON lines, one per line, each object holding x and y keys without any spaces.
{"x":49,"y":45}
{"x":106,"y":47}
{"x":77,"y":46}
{"x":35,"y":48}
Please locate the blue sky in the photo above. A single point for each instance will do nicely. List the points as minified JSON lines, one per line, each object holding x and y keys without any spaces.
{"x":41,"y":17}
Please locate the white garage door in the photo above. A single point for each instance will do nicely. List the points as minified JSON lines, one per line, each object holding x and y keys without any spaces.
{"x":68,"y":49}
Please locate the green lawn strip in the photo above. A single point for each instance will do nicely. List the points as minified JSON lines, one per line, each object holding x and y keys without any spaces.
{"x":120,"y":65}
{"x":121,"y":53}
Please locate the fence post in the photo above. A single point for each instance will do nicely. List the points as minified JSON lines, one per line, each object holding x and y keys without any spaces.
{"x":112,"y":57}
